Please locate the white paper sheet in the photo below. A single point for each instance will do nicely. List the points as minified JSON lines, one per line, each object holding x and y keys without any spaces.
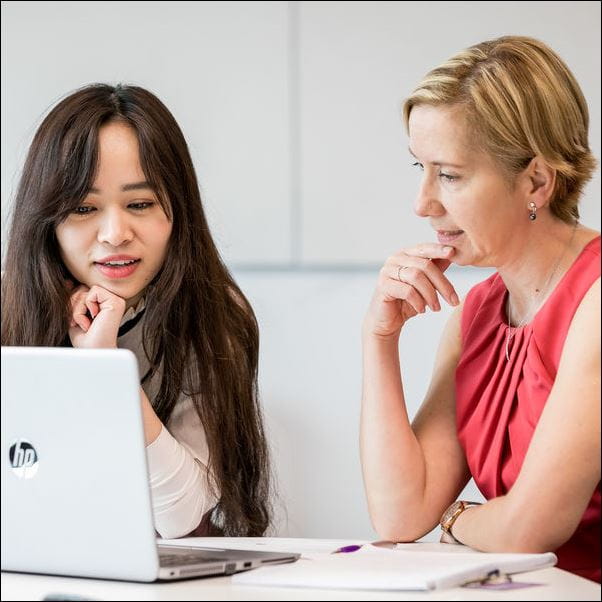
{"x":404,"y":568}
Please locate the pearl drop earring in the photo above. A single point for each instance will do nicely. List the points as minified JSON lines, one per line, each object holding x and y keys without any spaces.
{"x":532,"y":211}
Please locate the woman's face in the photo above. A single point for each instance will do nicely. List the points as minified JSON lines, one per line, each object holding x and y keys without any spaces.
{"x":469,"y":200}
{"x":117,"y":238}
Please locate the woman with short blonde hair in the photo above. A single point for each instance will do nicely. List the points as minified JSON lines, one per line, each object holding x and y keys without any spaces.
{"x":499,"y":132}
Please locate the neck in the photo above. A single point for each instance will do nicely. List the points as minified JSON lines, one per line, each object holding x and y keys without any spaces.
{"x":537,"y":266}
{"x":133,"y":301}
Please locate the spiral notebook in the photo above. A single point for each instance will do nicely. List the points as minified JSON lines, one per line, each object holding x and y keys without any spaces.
{"x":410,"y":567}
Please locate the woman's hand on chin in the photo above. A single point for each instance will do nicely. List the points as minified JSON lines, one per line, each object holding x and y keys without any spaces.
{"x":410,"y":281}
{"x":95,"y":317}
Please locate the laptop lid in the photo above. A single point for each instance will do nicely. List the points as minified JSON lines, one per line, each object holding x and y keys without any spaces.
{"x":75,"y":494}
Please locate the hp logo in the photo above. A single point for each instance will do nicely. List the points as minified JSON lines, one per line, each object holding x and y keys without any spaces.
{"x":23,"y":459}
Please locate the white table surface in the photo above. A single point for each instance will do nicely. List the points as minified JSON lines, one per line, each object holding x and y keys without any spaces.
{"x":555,"y":584}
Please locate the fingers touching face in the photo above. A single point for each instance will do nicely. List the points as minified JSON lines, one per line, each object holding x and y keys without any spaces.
{"x":422,"y":269}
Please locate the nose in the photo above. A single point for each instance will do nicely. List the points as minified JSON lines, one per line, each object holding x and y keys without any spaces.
{"x":426,"y":203}
{"x":115,"y":228}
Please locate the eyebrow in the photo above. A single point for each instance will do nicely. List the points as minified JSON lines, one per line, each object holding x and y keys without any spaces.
{"x":438,"y":163}
{"x":126,"y":187}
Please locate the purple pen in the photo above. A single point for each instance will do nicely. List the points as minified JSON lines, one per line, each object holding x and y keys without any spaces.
{"x":355,"y":547}
{"x":346,"y":549}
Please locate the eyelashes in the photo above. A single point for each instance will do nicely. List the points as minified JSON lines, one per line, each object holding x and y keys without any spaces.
{"x":441,"y":175}
{"x":141,"y":205}
{"x":82,"y":210}
{"x":137,"y":206}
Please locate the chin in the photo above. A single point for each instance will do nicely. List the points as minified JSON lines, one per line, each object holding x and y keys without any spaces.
{"x":466,"y":258}
{"x":458,"y":258}
{"x":124,"y":290}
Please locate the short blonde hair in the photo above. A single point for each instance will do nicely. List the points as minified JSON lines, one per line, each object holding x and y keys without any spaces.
{"x":522,"y":101}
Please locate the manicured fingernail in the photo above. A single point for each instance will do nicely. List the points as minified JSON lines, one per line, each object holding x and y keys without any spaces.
{"x":448,"y":249}
{"x":454,"y":299}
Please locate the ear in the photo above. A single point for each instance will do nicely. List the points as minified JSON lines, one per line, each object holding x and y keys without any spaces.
{"x":538,"y":181}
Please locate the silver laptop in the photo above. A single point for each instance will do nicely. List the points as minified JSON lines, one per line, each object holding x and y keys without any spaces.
{"x":75,"y":492}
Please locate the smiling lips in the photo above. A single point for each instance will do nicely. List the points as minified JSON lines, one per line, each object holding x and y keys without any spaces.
{"x":117,"y":266}
{"x":446,"y":237}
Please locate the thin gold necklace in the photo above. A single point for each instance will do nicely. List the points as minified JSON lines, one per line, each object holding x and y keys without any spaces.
{"x":511,"y":330}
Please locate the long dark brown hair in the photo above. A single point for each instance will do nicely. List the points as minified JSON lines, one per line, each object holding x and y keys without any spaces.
{"x":198,"y":326}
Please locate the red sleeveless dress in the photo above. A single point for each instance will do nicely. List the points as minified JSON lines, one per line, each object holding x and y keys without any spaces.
{"x":499,"y":402}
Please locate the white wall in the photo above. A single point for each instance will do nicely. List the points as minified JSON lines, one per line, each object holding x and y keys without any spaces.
{"x":291,"y":111}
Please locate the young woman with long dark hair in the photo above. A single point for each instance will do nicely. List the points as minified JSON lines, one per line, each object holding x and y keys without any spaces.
{"x":109,"y":247}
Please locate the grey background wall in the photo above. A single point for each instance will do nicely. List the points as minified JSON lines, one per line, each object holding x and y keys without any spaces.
{"x":292,"y":114}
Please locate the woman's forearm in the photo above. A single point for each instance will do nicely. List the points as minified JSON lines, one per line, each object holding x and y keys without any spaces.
{"x":498,"y":526}
{"x":392,"y":460}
